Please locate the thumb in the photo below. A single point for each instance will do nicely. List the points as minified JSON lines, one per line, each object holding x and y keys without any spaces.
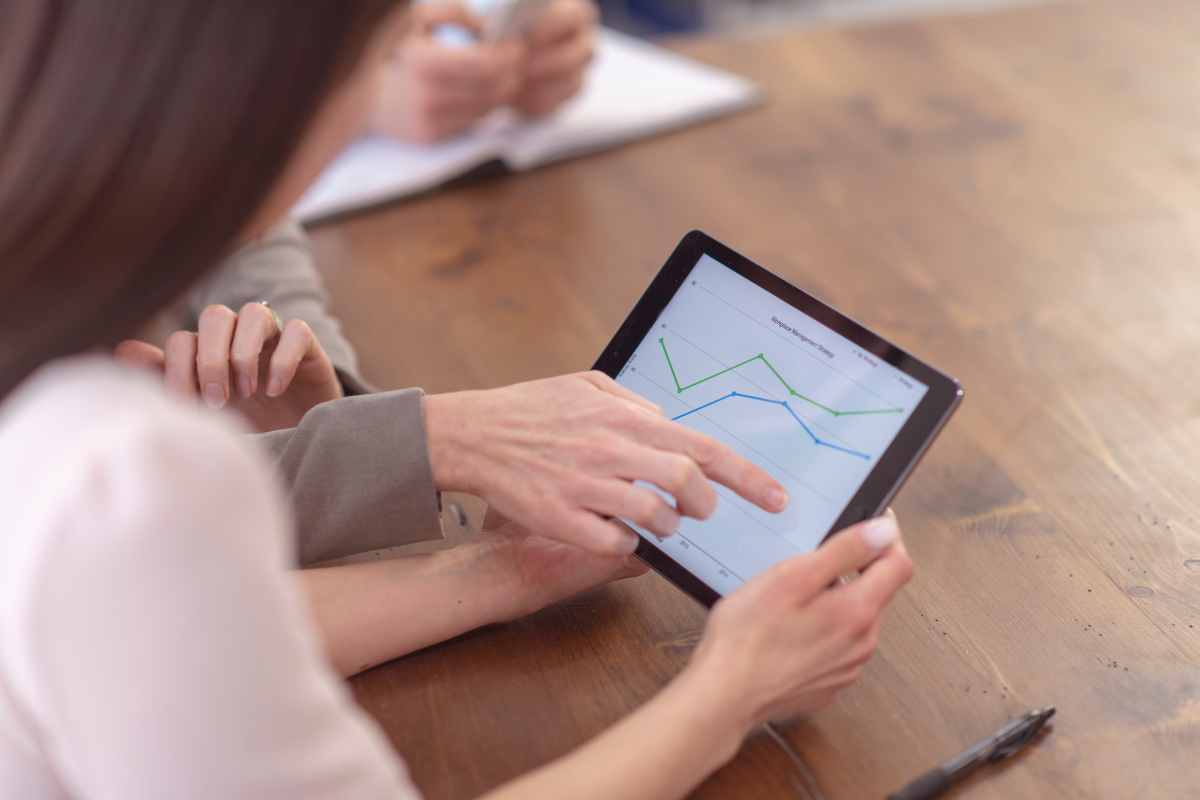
{"x":851,"y":550}
{"x":140,"y":354}
{"x":854,"y":548}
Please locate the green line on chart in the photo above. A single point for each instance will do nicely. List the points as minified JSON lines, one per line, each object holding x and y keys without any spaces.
{"x":667,"y":356}
{"x":680,"y":388}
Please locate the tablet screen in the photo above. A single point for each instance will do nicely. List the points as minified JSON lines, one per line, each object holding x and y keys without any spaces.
{"x":733,"y":361}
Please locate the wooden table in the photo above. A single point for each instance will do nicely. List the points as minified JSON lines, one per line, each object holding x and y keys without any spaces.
{"x":1015,"y":197}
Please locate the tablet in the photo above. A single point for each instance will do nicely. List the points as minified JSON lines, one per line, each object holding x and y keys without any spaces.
{"x":839,"y":415}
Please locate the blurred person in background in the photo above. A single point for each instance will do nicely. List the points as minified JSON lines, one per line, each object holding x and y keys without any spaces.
{"x":435,"y":89}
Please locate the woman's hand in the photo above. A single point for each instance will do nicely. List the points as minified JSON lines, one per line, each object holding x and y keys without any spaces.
{"x":785,"y":643}
{"x":788,"y":641}
{"x":561,"y":45}
{"x":561,"y":457}
{"x":545,"y":571}
{"x":244,"y":360}
{"x":431,"y":90}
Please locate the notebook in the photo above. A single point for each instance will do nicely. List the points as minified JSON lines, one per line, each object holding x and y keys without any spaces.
{"x":633,"y":89}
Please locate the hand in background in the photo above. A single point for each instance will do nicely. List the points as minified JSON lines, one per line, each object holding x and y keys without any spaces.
{"x":431,"y":90}
{"x":788,"y":642}
{"x":246,"y":362}
{"x":561,"y":457}
{"x":561,"y":45}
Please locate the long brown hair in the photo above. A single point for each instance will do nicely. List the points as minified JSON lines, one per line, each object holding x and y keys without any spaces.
{"x":137,"y":140}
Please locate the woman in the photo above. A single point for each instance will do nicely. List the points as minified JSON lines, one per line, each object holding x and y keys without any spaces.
{"x":153,"y":642}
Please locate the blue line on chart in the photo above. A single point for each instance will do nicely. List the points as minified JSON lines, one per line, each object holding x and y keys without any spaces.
{"x":816,"y":440}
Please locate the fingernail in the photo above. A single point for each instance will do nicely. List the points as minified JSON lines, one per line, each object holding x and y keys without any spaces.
{"x":628,"y":543}
{"x":274,"y":387}
{"x":777,"y":499}
{"x":245,"y":386}
{"x":880,"y":532}
{"x":214,"y":395}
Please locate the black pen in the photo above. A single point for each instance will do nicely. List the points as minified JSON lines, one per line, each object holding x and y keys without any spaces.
{"x":1003,"y":743}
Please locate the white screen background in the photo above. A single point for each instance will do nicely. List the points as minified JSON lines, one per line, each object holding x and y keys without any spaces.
{"x":733,"y":361}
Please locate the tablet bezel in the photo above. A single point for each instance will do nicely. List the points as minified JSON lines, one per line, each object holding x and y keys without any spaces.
{"x":892,"y":468}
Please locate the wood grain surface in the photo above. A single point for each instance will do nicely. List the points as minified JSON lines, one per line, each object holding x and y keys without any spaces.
{"x":1016,"y":198}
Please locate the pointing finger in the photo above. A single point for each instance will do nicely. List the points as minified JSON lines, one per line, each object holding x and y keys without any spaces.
{"x":719,"y":462}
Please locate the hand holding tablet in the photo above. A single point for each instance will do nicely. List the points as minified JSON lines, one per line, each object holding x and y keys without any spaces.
{"x":785,"y":643}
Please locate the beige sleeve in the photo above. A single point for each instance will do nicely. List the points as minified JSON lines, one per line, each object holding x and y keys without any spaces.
{"x":280,"y":268}
{"x":359,"y":474}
